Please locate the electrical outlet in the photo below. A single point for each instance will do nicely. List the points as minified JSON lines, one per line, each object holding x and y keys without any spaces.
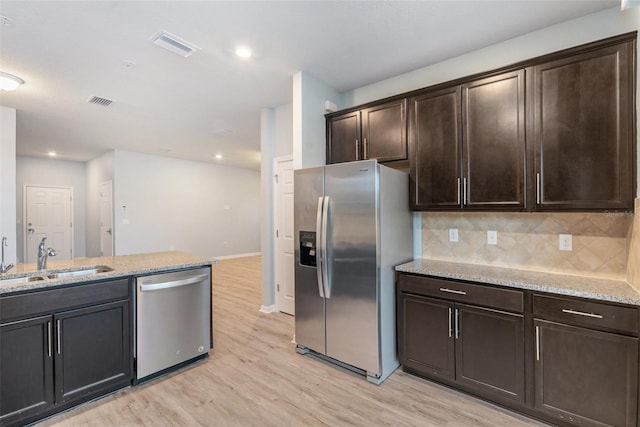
{"x":453,"y":235}
{"x":565,"y":242}
{"x":492,"y":237}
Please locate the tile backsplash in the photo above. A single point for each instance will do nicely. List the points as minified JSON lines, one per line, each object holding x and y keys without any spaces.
{"x":633,"y":262}
{"x":602,"y":243}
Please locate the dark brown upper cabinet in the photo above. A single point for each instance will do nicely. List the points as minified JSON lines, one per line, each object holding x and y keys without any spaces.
{"x":435,"y":141}
{"x":343,"y":138}
{"x":468,"y":145}
{"x":582,"y":113}
{"x":377,"y":132}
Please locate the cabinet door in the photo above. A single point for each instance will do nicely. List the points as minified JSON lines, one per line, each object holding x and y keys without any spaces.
{"x":583,"y":118}
{"x":384,"y":132}
{"x":435,"y":141}
{"x":586,"y":377}
{"x":344,"y":138}
{"x":425,"y":336}
{"x":92,"y":350}
{"x":26,"y":368}
{"x":490,"y":352}
{"x":494,"y":142}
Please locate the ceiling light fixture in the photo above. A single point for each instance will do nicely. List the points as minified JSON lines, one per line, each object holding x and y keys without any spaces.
{"x":218,"y":156}
{"x":9,"y":81}
{"x":52,"y":153}
{"x":243,"y":52}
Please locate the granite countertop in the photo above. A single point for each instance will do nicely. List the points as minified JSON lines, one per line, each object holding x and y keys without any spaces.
{"x":613,"y":290}
{"x":122,"y":265}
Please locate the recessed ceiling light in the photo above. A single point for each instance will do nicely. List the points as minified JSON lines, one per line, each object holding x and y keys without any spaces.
{"x":218,"y":156}
{"x":52,"y":153}
{"x":9,"y":81}
{"x":243,"y":52}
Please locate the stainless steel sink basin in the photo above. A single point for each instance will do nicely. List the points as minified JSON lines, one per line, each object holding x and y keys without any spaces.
{"x":83,"y":272}
{"x":18,"y":280}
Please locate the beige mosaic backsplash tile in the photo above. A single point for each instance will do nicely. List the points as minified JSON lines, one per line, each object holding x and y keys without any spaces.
{"x":530,"y":241}
{"x":633,"y":262}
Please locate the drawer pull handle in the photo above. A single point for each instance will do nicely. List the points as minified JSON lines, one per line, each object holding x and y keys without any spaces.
{"x":453,"y":291}
{"x":582,"y":313}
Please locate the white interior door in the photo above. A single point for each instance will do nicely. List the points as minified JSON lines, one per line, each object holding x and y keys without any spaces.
{"x":106,"y":218}
{"x":284,"y":259}
{"x":48,"y":213}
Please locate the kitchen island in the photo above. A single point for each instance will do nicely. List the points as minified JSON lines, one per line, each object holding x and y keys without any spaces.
{"x":562,"y":348}
{"x":71,"y":333}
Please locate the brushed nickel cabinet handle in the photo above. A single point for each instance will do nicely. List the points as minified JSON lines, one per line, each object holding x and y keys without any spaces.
{"x":458,"y":191}
{"x":450,"y":326}
{"x":582,"y":313}
{"x":537,"y":343}
{"x":364,"y":149}
{"x":464,"y":191}
{"x":49,"y":343}
{"x":59,"y":332}
{"x":357,"y":150}
{"x":453,"y":291}
{"x":538,"y":188}
{"x":457,"y":323}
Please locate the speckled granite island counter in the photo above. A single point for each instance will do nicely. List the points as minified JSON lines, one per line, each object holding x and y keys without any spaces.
{"x":122,"y":265}
{"x":563,"y":284}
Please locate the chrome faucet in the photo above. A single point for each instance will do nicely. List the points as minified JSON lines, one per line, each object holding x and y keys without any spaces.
{"x":3,"y":267}
{"x":43,"y":253}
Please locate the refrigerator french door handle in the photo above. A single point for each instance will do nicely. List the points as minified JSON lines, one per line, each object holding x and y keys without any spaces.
{"x":325,"y":264}
{"x":319,"y":248}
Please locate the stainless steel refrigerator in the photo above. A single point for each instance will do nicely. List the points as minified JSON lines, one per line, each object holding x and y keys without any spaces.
{"x":352,"y":226}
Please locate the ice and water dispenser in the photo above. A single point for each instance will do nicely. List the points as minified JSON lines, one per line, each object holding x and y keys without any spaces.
{"x":308,"y":248}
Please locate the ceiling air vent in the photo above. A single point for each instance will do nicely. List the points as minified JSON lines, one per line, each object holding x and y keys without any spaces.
{"x":99,"y":101}
{"x":174,"y":44}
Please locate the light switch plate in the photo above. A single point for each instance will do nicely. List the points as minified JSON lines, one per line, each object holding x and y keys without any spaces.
{"x":453,"y":235}
{"x":565,"y":242}
{"x":492,"y":237}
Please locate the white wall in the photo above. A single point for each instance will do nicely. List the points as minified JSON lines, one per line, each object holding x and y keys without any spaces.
{"x":47,"y":172}
{"x":98,"y":170}
{"x":283,"y":128}
{"x":309,"y":142}
{"x":597,"y":26}
{"x":8,"y":181}
{"x":163,"y":204}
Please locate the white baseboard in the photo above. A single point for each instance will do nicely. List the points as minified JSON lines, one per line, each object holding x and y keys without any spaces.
{"x":238,"y":255}
{"x":268,"y":309}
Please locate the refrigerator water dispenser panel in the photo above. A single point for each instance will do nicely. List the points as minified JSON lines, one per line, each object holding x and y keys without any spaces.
{"x":308,"y":248}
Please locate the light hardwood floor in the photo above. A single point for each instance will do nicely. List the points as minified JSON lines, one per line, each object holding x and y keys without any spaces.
{"x":254,"y":377}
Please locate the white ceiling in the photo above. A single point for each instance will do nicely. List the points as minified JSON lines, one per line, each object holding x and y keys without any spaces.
{"x":193,"y":108}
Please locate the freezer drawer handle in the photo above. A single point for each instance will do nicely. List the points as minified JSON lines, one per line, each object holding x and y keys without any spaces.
{"x":173,"y":283}
{"x":453,"y":291}
{"x":581,"y":313}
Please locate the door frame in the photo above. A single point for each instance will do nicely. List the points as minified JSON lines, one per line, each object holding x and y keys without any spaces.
{"x":24,"y":217}
{"x":276,"y":221}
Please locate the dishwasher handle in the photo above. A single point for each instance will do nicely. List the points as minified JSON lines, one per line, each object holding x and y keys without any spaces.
{"x":173,"y":283}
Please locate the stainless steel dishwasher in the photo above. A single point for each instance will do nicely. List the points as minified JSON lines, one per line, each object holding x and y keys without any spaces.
{"x":173,"y":320}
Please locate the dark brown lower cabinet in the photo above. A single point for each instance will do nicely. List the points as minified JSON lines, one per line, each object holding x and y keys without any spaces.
{"x":477,"y":348}
{"x":586,"y":377}
{"x":26,"y":368}
{"x":69,"y":355}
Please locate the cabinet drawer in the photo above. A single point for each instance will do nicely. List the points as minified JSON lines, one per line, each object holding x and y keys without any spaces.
{"x":56,"y":299}
{"x":592,"y":314}
{"x":505,"y":299}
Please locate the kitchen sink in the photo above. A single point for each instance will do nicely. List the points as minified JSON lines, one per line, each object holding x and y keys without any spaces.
{"x":82,"y":272}
{"x":18,"y":280}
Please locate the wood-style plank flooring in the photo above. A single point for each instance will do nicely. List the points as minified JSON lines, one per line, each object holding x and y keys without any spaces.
{"x":254,"y":377}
